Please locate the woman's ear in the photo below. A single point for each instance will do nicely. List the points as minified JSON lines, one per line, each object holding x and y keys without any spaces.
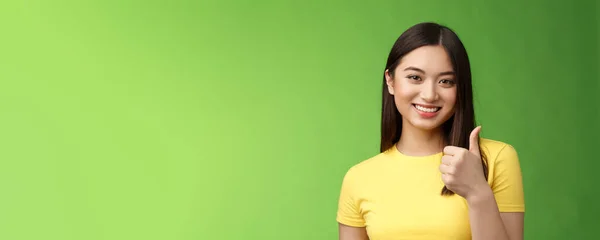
{"x":389,"y":80}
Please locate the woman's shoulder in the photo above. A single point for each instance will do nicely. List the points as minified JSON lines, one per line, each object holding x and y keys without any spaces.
{"x":495,"y":148}
{"x":368,"y":165}
{"x":492,"y":143}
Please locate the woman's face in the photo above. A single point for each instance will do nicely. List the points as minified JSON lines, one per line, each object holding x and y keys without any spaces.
{"x":424,"y":87}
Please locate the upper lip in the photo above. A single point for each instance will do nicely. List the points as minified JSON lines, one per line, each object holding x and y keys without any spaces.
{"x":426,"y":105}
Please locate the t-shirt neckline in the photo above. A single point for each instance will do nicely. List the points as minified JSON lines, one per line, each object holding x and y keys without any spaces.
{"x":399,"y":155}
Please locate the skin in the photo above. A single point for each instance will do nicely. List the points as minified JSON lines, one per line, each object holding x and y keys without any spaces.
{"x":425,"y":77}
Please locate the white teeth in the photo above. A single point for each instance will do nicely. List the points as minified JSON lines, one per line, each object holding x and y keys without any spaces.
{"x":424,"y":109}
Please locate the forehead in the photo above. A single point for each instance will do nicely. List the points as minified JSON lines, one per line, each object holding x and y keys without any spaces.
{"x":429,"y":58}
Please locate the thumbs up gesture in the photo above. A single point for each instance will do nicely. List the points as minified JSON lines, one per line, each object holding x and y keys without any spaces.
{"x":461,"y":168}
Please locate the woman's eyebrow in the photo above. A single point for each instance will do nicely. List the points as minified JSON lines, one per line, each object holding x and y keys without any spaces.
{"x":421,"y":71}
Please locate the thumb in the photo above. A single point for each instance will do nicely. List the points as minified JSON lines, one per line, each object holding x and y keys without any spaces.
{"x":474,"y":141}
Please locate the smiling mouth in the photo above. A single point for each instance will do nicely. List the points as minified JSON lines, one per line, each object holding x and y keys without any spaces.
{"x":428,"y":109}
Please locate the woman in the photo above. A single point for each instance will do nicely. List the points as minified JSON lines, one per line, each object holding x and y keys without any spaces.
{"x":435,"y":178}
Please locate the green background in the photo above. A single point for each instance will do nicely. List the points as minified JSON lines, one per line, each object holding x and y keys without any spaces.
{"x":238,"y":119}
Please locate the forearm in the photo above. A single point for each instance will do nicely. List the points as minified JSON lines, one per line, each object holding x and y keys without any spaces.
{"x":484,"y":216}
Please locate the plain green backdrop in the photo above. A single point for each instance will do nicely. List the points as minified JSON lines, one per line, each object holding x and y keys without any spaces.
{"x":238,"y":119}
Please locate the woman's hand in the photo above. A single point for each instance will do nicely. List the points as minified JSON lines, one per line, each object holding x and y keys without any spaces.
{"x":462,"y":172}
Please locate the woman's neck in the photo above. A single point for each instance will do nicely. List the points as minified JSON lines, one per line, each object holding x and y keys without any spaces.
{"x":419,"y":142}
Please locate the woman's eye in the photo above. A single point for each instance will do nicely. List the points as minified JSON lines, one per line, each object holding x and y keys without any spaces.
{"x":414,"y":77}
{"x":447,"y":81}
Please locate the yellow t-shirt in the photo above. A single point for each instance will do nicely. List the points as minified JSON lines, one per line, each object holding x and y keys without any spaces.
{"x":396,"y":196}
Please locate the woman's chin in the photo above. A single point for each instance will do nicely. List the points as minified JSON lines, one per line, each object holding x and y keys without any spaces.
{"x":427,"y":127}
{"x":426,"y":124}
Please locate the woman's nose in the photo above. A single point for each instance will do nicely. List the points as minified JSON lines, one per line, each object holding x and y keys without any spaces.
{"x":429,"y":92}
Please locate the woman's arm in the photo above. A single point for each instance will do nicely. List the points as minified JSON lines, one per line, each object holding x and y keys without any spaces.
{"x":488,"y":223}
{"x":461,"y":173}
{"x":352,"y":233}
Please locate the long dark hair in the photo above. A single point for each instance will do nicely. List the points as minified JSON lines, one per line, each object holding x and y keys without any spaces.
{"x":458,"y":128}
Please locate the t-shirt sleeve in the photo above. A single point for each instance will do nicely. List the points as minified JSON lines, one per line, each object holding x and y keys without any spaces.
{"x":348,"y":212}
{"x":507,"y":184}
